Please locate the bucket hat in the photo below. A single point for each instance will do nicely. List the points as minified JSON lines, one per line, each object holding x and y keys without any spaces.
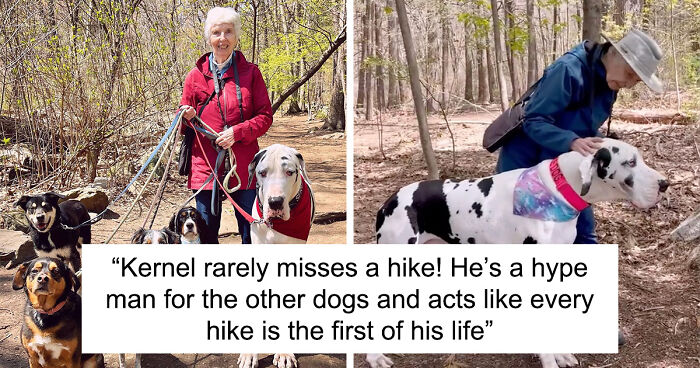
{"x":643,"y":54}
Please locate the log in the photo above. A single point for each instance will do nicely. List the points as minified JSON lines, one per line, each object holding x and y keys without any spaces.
{"x":689,"y":229}
{"x":330,"y":217}
{"x":652,"y":116}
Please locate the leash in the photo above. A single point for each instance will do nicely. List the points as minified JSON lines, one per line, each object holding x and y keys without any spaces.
{"x":177,"y":121}
{"x":155,"y":203}
{"x":99,"y":216}
{"x":243,"y":213}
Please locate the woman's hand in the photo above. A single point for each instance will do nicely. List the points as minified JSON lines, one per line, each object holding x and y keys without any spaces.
{"x":586,"y":146}
{"x":189,"y":112}
{"x":225,"y":140}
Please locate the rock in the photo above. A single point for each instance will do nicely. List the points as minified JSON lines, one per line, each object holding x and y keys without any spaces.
{"x":15,"y":248}
{"x":100,"y":182}
{"x":14,"y":220}
{"x":95,"y":199}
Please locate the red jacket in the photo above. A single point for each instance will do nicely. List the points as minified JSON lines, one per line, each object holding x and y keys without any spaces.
{"x":257,"y":114}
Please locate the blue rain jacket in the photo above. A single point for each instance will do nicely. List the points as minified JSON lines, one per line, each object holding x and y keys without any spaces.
{"x":560,"y":110}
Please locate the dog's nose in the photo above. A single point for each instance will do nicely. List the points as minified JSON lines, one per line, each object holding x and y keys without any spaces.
{"x":275,"y":203}
{"x":40,"y":217}
{"x":663,"y":185}
{"x":42,"y":278}
{"x":189,"y":226}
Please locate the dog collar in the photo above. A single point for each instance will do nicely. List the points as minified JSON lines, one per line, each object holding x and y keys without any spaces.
{"x":53,"y":310}
{"x":565,"y":188}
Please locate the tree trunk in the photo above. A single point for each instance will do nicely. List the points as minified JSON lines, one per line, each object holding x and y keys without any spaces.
{"x":468,"y":78}
{"x":381,"y":101}
{"x":484,"y":96}
{"x":414,"y":76}
{"x":591,"y":20}
{"x":531,"y":45}
{"x":363,"y":55}
{"x":502,"y":87}
{"x":513,"y":67}
{"x":369,"y":100}
{"x":336,"y":111}
{"x":619,"y":14}
{"x":445,"y":44}
{"x":392,"y":100}
{"x":492,"y":75}
{"x":554,"y":31}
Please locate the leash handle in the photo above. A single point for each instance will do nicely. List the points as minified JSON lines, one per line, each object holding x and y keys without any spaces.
{"x":243,"y":213}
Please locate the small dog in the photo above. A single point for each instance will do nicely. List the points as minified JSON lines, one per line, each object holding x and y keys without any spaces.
{"x":46,"y":217}
{"x":51,"y":332}
{"x":162,"y":236}
{"x":190,"y":226}
{"x":143,"y":236}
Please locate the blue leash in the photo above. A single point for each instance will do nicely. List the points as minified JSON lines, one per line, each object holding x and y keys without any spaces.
{"x":143,"y":168}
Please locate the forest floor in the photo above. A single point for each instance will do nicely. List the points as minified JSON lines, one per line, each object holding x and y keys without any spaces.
{"x":659,"y":295}
{"x":324,"y":154}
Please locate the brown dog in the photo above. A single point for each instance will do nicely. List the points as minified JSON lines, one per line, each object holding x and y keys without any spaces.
{"x":52,"y":317}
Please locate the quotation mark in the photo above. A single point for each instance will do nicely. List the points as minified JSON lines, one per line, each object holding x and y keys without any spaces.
{"x":115,"y":260}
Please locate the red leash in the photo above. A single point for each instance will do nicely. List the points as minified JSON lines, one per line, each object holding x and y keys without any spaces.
{"x":245,"y":214}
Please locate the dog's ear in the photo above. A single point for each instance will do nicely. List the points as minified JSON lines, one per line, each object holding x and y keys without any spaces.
{"x":22,"y":202}
{"x":20,"y":276}
{"x":597,"y":163}
{"x":53,"y":198}
{"x":173,"y":221}
{"x":137,"y":238}
{"x":253,"y":164}
{"x":302,"y":166}
{"x":72,"y":280}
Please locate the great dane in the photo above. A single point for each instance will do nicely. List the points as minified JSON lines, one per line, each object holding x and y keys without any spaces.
{"x":536,"y":205}
{"x":284,"y":206}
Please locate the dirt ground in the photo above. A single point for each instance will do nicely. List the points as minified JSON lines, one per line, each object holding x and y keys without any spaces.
{"x":659,"y":296}
{"x":324,"y":154}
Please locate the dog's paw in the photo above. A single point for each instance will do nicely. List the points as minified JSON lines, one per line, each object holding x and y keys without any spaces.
{"x":379,"y":361}
{"x":282,"y":360}
{"x":558,"y":360}
{"x":247,"y":360}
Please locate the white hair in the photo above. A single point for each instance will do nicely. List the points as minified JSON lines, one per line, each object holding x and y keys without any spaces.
{"x":219,"y":15}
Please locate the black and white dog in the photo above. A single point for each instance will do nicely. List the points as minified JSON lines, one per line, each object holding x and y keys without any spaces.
{"x":284,"y":203}
{"x":151,"y":236}
{"x":190,"y":226}
{"x":538,"y":205}
{"x":46,"y":219}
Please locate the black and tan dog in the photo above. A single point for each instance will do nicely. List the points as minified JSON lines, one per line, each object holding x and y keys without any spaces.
{"x":47,"y":217}
{"x":51,"y":333}
{"x":190,"y":226}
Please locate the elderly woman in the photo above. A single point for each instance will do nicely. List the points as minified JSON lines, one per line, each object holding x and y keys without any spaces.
{"x":573,"y":99}
{"x":229,"y":95}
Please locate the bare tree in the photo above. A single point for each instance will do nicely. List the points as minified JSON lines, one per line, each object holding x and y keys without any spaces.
{"x":503,"y":89}
{"x":418,"y":99}
{"x":531,"y":45}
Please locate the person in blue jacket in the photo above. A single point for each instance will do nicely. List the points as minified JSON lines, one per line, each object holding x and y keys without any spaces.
{"x":573,"y":99}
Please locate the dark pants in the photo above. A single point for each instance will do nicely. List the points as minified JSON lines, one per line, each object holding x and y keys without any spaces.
{"x":585,"y":227}
{"x":244,"y":198}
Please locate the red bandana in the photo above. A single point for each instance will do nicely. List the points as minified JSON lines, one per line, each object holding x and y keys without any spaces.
{"x":299,"y":224}
{"x":564,"y":188}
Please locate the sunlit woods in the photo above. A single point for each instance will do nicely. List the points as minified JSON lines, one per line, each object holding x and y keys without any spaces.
{"x":88,"y":86}
{"x":456,"y":47}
